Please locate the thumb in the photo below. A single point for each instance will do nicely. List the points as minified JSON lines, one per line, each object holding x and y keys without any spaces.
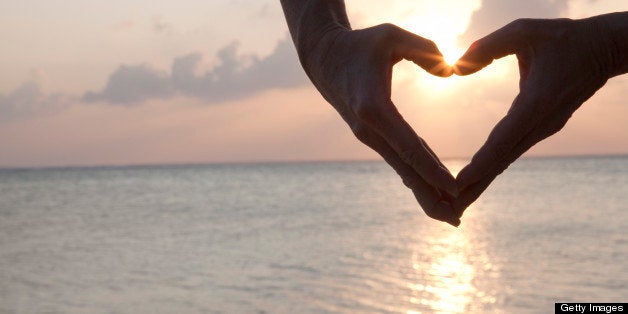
{"x":505,"y":41}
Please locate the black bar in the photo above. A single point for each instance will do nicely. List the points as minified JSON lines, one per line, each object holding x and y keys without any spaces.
{"x":590,"y":308}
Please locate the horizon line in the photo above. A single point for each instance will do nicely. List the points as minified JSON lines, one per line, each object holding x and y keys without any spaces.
{"x":274,"y":161}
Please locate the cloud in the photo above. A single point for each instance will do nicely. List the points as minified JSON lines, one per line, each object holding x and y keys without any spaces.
{"x":131,"y":84}
{"x":235,"y":77}
{"x":587,"y":8}
{"x":496,"y":13}
{"x":30,"y":99}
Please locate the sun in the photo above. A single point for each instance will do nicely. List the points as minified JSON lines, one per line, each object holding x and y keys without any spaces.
{"x":451,"y":53}
{"x":445,"y":36}
{"x":442,"y":22}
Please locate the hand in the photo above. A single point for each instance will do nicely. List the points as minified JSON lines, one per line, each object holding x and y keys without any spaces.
{"x":562,"y":63}
{"x":352,"y":69}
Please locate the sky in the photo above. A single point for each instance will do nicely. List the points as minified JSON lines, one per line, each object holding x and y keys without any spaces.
{"x":147,"y":82}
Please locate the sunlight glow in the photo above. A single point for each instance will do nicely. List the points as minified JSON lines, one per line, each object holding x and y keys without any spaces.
{"x":454,"y":277}
{"x":442,"y":21}
{"x":448,"y":274}
{"x":449,"y":266}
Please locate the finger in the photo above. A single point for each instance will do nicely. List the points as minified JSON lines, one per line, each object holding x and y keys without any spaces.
{"x":429,"y":149}
{"x":445,"y":194}
{"x":551,"y":124}
{"x":506,"y":41}
{"x":377,"y":111}
{"x":423,"y":52}
{"x":428,"y":196}
{"x":473,"y":192}
{"x":526,"y":112}
{"x":387,"y":122}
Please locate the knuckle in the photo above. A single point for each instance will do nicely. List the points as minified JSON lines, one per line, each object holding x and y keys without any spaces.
{"x":360,"y":131}
{"x":388,"y":33}
{"x":364,"y":111}
{"x":414,"y":158}
{"x":553,"y":129}
{"x":410,"y":182}
{"x":430,"y":45}
{"x":558,"y":124}
{"x":389,"y":28}
{"x":522,"y":27}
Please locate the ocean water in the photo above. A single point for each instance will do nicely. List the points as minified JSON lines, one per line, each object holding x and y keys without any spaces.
{"x":342,"y":237}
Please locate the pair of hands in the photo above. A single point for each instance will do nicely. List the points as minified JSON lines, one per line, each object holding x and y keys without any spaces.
{"x":561,"y":65}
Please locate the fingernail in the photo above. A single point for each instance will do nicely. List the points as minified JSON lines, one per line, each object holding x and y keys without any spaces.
{"x":454,"y":222}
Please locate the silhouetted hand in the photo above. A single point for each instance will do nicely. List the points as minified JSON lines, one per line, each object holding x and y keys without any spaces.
{"x":562,"y":63}
{"x":352,"y":69}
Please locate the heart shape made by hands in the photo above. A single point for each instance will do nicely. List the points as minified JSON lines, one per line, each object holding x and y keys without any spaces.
{"x":352,"y":69}
{"x":551,"y":88}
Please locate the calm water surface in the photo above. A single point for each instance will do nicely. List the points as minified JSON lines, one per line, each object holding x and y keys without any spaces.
{"x":308,"y":238}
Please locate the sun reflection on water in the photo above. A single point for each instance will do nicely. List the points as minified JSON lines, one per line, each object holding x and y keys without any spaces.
{"x":448,"y":285}
{"x":450,"y":268}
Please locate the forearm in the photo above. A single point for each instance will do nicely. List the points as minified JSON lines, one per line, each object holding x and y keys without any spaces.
{"x":310,"y":20}
{"x":614,"y":31}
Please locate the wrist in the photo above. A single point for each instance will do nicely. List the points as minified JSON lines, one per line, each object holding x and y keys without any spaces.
{"x":319,"y":23}
{"x":613,"y":32}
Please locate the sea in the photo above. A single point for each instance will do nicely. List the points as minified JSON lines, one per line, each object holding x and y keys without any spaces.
{"x":311,"y":237}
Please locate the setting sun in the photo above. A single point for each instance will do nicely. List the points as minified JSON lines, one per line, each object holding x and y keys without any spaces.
{"x":442,"y":22}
